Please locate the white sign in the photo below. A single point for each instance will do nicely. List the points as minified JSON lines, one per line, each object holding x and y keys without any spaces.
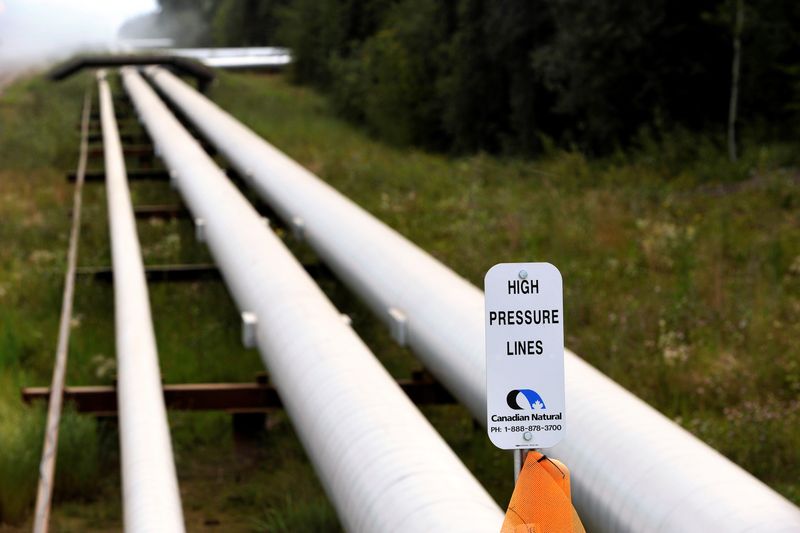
{"x":524,"y":355}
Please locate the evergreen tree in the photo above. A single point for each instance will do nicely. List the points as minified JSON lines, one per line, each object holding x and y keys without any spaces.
{"x":502,"y":75}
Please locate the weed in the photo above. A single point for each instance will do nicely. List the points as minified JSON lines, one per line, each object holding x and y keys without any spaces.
{"x":314,"y":515}
{"x":21,"y":432}
{"x":679,"y":265}
{"x":682,"y":275}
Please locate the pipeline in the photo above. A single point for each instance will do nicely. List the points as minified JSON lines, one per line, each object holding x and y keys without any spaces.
{"x":633,"y":469}
{"x":380,"y":461}
{"x":151,"y":499}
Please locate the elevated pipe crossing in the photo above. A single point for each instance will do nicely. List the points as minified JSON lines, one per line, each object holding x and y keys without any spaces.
{"x":151,"y":499}
{"x":381,"y":463}
{"x":634,"y":470}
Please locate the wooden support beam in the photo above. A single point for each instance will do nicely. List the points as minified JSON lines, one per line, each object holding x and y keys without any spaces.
{"x":156,"y":211}
{"x":140,"y":174}
{"x":258,"y":397}
{"x":131,"y":149}
{"x":184,"y":272}
{"x":126,"y":114}
{"x":124,"y":137}
{"x":155,"y":273}
{"x":139,"y":145}
{"x":165,"y":211}
{"x":126,"y":122}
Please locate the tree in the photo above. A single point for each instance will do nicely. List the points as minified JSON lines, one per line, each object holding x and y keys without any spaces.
{"x":615,"y":65}
{"x":246,"y":22}
{"x":737,"y":56}
{"x":400,"y":66}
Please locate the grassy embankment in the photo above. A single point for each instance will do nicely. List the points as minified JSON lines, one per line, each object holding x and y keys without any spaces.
{"x":682,"y":280}
{"x":682,"y":270}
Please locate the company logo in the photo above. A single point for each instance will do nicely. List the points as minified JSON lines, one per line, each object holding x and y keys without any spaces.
{"x":530,"y":396}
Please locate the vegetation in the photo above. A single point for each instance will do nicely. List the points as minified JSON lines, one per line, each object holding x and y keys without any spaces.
{"x":35,"y":144}
{"x":513,"y":76}
{"x":241,"y":487}
{"x":682,"y":278}
{"x":681,"y":268}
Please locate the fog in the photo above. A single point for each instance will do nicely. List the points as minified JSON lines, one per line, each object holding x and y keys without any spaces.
{"x":36,"y":32}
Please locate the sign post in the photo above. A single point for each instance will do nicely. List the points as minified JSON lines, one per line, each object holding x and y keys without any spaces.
{"x":524,"y":356}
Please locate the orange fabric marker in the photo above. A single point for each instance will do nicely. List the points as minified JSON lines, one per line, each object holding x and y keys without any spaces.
{"x":542,"y":502}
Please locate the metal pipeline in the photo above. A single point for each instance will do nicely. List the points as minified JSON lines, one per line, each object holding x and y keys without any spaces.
{"x":633,"y":469}
{"x":381,"y":463}
{"x":151,"y":499}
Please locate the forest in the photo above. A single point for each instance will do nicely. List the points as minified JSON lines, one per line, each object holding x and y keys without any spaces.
{"x":521,"y":76}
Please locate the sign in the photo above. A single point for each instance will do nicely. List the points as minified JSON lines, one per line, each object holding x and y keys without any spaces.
{"x":524,"y":355}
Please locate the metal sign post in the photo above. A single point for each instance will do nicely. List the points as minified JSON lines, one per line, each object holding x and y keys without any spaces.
{"x":524,"y":357}
{"x":519,"y":460}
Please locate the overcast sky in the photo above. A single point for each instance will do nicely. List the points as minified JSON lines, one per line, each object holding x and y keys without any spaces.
{"x":32,"y":31}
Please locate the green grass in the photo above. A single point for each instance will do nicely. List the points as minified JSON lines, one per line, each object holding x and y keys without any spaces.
{"x":682,"y":280}
{"x":37,"y":143}
{"x":681,"y":269}
{"x":224,"y":484}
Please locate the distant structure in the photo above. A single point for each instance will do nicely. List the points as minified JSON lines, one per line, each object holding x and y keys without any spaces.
{"x":183,"y":31}
{"x":262,"y":57}
{"x":251,"y":58}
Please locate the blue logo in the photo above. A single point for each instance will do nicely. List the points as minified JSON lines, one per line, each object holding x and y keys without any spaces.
{"x":534,"y":400}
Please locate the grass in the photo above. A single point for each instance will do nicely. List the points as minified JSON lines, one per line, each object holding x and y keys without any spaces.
{"x":225,"y":485}
{"x":682,"y":279}
{"x":681,"y":269}
{"x":36,"y":146}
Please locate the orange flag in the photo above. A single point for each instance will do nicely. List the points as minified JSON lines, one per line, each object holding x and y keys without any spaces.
{"x":541,"y":502}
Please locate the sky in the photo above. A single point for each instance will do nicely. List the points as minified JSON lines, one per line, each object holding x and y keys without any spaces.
{"x":33,"y":32}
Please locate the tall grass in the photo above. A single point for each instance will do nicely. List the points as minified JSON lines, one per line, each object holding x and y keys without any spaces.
{"x":20,"y":449}
{"x":681,"y":269}
{"x":37,"y":143}
{"x":682,"y":282}
{"x":303,"y":515}
{"x":197,"y":331}
{"x":79,"y":460}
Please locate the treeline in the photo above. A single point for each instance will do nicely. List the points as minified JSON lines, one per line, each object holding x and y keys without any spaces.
{"x":516,"y":75}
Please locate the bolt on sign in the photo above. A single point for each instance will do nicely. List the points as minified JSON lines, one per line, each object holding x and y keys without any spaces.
{"x":524,"y":355}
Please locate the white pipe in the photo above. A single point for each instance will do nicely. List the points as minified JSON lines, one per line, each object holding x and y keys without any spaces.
{"x":633,"y":469}
{"x":151,"y":499}
{"x":381,"y":463}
